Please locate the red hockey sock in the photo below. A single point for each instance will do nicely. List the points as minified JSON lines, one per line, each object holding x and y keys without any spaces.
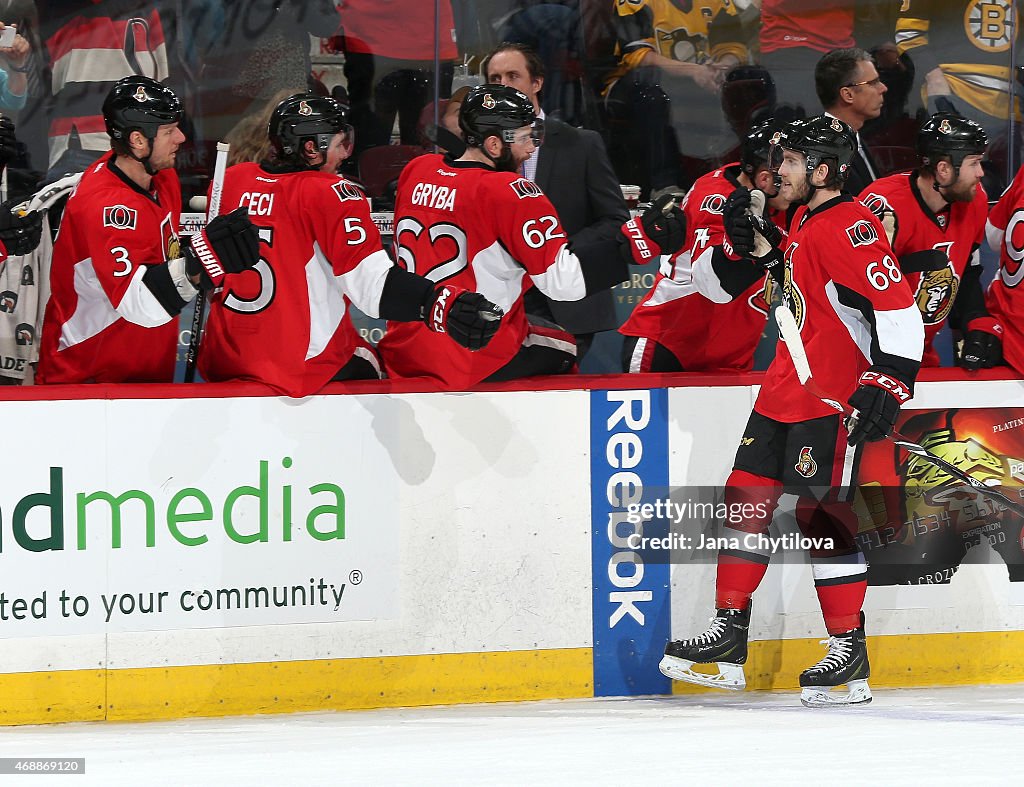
{"x":741,"y":571}
{"x":841,"y":605}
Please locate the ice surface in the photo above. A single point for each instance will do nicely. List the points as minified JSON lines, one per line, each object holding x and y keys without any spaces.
{"x":964,"y":735}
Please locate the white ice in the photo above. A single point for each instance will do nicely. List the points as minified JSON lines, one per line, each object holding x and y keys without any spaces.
{"x":969,"y":735}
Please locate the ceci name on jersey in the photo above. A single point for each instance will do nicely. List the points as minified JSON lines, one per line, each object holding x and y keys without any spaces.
{"x":258,"y":203}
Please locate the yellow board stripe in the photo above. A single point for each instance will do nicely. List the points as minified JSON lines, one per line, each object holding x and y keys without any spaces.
{"x":293,"y":686}
{"x":395,"y":681}
{"x":966,"y":658}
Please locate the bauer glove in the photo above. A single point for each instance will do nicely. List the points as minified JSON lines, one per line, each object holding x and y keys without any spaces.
{"x":467,"y":317}
{"x":19,"y":234}
{"x":228,"y":244}
{"x":660,"y":230}
{"x":983,"y":344}
{"x":877,"y":403}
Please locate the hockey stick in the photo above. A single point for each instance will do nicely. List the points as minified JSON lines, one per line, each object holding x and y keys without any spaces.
{"x":216,"y":189}
{"x":790,"y":334}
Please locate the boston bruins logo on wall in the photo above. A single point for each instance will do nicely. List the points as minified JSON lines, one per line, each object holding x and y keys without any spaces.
{"x":936,"y":293}
{"x":989,"y":24}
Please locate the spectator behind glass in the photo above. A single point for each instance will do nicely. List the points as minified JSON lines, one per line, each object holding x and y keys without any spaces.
{"x":794,"y":35}
{"x":663,"y":99}
{"x":90,"y":46}
{"x":262,"y":48}
{"x":13,"y":70}
{"x":248,"y":139}
{"x":389,"y":64}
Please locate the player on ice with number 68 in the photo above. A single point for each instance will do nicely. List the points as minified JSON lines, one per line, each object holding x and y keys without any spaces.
{"x":285,"y":323}
{"x":474,"y":222}
{"x":864,"y":339}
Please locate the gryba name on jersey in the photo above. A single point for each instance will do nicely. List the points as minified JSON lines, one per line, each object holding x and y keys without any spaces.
{"x":430,"y":195}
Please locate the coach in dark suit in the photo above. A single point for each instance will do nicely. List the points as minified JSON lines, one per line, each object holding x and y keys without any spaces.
{"x":850,"y":89}
{"x":572,"y":169}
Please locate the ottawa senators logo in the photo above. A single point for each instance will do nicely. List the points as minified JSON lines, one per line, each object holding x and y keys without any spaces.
{"x":945,"y":128}
{"x":488,"y":102}
{"x":346,"y":190}
{"x":525,"y":188}
{"x":791,"y":295}
{"x":304,"y":109}
{"x":120,"y":217}
{"x":936,"y":293}
{"x":141,"y":95}
{"x":862,"y":233}
{"x":836,"y":125}
{"x":713,"y":203}
{"x":805,"y":464}
{"x":877,"y":204}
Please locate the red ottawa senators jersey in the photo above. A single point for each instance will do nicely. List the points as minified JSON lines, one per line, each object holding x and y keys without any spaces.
{"x":852,"y":304}
{"x":102,"y":324}
{"x":957,"y":233}
{"x":1005,"y":297}
{"x":285,"y":322}
{"x":466,"y":224}
{"x":703,"y":335}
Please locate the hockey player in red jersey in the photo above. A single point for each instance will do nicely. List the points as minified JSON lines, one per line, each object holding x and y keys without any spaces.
{"x":1005,"y":297}
{"x":120,"y":275}
{"x":286,"y":323}
{"x":939,"y":214}
{"x":864,"y":337}
{"x":474,"y":222}
{"x":676,"y":328}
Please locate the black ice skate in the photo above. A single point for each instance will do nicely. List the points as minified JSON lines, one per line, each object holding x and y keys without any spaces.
{"x":846,"y":663}
{"x":724,"y":644}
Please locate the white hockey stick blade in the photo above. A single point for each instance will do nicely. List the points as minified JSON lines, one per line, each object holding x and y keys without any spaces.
{"x":790,"y":334}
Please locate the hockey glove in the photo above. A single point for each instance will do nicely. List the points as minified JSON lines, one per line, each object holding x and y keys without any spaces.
{"x":19,"y":234}
{"x":660,"y":230}
{"x":8,"y":142}
{"x":228,"y":244}
{"x":983,"y":344}
{"x":739,"y":232}
{"x":467,"y":317}
{"x":877,"y":402}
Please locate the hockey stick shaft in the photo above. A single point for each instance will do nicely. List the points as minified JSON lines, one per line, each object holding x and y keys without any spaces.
{"x":216,"y":189}
{"x":790,"y":334}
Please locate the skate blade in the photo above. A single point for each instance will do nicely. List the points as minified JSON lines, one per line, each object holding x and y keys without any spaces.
{"x":730,"y":676}
{"x":858,"y":693}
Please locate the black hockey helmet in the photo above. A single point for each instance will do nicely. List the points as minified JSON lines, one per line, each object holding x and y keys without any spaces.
{"x":823,"y":140}
{"x":755,"y":150}
{"x":138,"y":103}
{"x":306,"y":116}
{"x":947,"y":135}
{"x":490,"y":110}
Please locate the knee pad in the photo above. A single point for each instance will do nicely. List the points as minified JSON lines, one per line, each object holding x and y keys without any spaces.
{"x":751,"y":501}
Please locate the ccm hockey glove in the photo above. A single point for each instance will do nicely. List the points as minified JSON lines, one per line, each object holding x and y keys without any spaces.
{"x":228,"y":244}
{"x":877,"y":401}
{"x":983,"y":344}
{"x":467,"y":317}
{"x":739,"y":232}
{"x":19,"y":234}
{"x":660,"y":230}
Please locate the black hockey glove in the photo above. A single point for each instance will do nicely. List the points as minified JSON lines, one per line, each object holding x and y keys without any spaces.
{"x":228,"y":244}
{"x":8,"y":142}
{"x":19,"y":234}
{"x":661,"y":229}
{"x":738,"y":229}
{"x":467,"y":317}
{"x":983,"y":344}
{"x":877,"y":401}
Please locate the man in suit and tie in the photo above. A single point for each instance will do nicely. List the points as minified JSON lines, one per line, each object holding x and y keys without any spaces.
{"x":572,"y":169}
{"x":850,"y":89}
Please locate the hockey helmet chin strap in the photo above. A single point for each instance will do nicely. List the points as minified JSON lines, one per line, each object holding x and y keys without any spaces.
{"x":503,"y":163}
{"x":144,"y":160}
